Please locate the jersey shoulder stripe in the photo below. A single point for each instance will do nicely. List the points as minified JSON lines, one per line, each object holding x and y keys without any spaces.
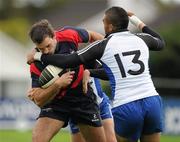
{"x":89,"y":47}
{"x":72,"y":34}
{"x":81,"y":32}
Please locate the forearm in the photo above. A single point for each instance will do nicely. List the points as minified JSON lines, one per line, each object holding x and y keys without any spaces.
{"x":43,"y":96}
{"x":62,"y":61}
{"x":142,"y":26}
{"x":98,"y":73}
{"x":155,"y":43}
{"x":84,"y":56}
{"x":152,"y":39}
{"x":148,"y":30}
{"x":93,"y":36}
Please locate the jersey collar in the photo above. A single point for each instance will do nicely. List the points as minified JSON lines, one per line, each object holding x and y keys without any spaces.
{"x":115,"y":32}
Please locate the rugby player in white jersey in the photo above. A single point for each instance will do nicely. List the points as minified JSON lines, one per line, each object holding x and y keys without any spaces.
{"x":137,"y":107}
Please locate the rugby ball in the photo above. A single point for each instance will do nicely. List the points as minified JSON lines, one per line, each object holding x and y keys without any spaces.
{"x":49,"y":75}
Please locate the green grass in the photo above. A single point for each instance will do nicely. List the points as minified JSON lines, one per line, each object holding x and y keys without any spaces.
{"x":166,"y":138}
{"x":25,"y":136}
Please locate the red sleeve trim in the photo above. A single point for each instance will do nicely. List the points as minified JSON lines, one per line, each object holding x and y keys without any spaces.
{"x":34,"y":69}
{"x":79,"y":78}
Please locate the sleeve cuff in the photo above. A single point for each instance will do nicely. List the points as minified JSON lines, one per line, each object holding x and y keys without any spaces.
{"x":135,"y":20}
{"x":37,"y":56}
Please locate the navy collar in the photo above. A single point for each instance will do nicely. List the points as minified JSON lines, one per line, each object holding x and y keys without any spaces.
{"x":117,"y":31}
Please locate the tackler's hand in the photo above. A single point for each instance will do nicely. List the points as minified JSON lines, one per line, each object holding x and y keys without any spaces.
{"x":30,"y":56}
{"x":130,"y":13}
{"x":135,"y":20}
{"x":86,"y":77}
{"x":32,"y":92}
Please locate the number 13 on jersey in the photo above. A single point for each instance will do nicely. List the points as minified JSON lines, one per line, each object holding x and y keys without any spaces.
{"x":135,"y":60}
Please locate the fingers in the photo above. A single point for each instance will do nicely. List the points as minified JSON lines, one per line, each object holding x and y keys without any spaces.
{"x":30,"y":94}
{"x":136,"y":22}
{"x":71,"y":72}
{"x":29,"y":61}
{"x":65,"y":79}
{"x":86,"y":77}
{"x":85,"y":84}
{"x":130,"y":13}
{"x":68,"y":75}
{"x":30,"y":56}
{"x":85,"y":87}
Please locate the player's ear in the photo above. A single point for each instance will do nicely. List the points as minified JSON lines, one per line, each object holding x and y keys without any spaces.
{"x":111,"y":27}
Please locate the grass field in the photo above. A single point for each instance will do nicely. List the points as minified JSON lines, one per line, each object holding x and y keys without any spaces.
{"x":18,"y":136}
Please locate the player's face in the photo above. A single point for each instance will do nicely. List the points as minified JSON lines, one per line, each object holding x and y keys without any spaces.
{"x":107,"y":25}
{"x":48,"y":45}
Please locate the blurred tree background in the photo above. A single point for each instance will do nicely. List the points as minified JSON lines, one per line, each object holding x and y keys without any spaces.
{"x":16,"y":16}
{"x":168,"y":25}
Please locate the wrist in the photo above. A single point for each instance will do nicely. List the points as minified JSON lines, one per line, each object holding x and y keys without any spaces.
{"x":58,"y":84}
{"x":136,"y":21}
{"x":37,"y":56}
{"x":141,"y":26}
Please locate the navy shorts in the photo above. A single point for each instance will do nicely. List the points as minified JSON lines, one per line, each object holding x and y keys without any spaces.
{"x":140,"y":117}
{"x":79,"y":107}
{"x":105,"y":113}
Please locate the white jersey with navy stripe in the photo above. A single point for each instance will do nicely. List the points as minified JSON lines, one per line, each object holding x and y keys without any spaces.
{"x":125,"y":60}
{"x":124,"y":57}
{"x":96,"y":86}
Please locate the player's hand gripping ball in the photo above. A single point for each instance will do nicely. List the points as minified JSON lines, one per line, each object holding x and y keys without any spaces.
{"x":49,"y":75}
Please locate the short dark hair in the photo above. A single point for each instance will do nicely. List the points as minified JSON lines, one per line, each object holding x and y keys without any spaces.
{"x":41,"y":30}
{"x":118,"y":17}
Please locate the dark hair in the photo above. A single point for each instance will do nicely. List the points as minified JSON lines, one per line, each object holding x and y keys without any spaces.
{"x":118,"y":17}
{"x":41,"y":30}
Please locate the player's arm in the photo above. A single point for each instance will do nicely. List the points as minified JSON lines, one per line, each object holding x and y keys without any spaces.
{"x":36,"y":94}
{"x":151,"y":38}
{"x":84,"y":56}
{"x":98,"y":73}
{"x":87,"y":36}
{"x":96,"y":70}
{"x":42,"y":96}
{"x":80,"y":35}
{"x":93,"y":36}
